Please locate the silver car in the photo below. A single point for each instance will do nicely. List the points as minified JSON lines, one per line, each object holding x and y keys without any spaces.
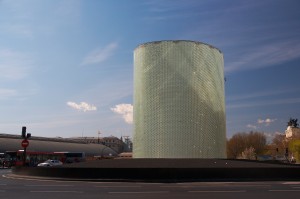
{"x":50,"y":163}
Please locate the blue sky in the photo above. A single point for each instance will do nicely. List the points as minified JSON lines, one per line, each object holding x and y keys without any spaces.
{"x":66,"y":66}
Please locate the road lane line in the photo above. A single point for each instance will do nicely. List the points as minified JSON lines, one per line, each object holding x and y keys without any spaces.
{"x":120,"y":186}
{"x":28,"y":178}
{"x":41,"y":185}
{"x":249,"y":185}
{"x":292,"y":183}
{"x":206,"y":191}
{"x":205,"y":186}
{"x":284,"y":190}
{"x":46,"y":191}
{"x":206,"y":183}
{"x":104,"y":182}
{"x":146,"y":183}
{"x":138,"y":192}
{"x":178,"y":186}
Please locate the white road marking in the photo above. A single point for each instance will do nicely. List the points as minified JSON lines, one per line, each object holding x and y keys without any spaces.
{"x":284,"y":190}
{"x":135,"y":192}
{"x":206,"y":191}
{"x":206,"y":186}
{"x":37,"y":179}
{"x":205,"y":183}
{"x":182,"y":186}
{"x":39,"y":185}
{"x":117,"y":186}
{"x":104,"y":182}
{"x":56,"y":191}
{"x":145,"y":183}
{"x":292,"y":183}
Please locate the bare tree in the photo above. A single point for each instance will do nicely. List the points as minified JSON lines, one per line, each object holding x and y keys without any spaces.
{"x":258,"y":141}
{"x":242,"y":141}
{"x":236,"y":145}
{"x":279,"y":144}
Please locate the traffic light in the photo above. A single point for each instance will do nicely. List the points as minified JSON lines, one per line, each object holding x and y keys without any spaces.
{"x":24,"y":132}
{"x":28,"y":135}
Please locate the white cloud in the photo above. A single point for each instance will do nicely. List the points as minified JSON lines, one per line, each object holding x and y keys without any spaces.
{"x":265,"y":56}
{"x":263,"y":93}
{"x":267,"y":121}
{"x":264,"y":103}
{"x":100,"y":55}
{"x":270,"y":136}
{"x":260,"y":121}
{"x":126,"y":110}
{"x":251,"y":126}
{"x":83,"y":106}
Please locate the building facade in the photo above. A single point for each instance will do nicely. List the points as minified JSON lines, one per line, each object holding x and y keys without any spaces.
{"x":179,"y":102}
{"x":41,"y":144}
{"x":114,"y":143}
{"x":292,"y":132}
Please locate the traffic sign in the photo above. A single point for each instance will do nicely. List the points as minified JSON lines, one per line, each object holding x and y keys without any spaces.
{"x":25,"y":143}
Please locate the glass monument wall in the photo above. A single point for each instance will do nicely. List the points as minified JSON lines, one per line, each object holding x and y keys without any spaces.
{"x":179,"y":105}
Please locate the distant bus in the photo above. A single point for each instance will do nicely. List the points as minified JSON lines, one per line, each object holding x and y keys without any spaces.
{"x":33,"y":158}
{"x":1,"y":159}
{"x":9,"y":158}
{"x":1,"y":155}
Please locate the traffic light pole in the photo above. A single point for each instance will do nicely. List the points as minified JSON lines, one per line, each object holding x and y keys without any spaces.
{"x":25,"y":143}
{"x":24,"y":156}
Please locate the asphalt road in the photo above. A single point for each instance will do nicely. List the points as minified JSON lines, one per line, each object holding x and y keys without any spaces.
{"x":13,"y":187}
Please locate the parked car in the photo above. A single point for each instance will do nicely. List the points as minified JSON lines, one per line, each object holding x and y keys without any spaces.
{"x":50,"y":163}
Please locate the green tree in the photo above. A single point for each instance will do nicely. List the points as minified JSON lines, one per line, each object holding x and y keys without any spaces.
{"x":294,"y":147}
